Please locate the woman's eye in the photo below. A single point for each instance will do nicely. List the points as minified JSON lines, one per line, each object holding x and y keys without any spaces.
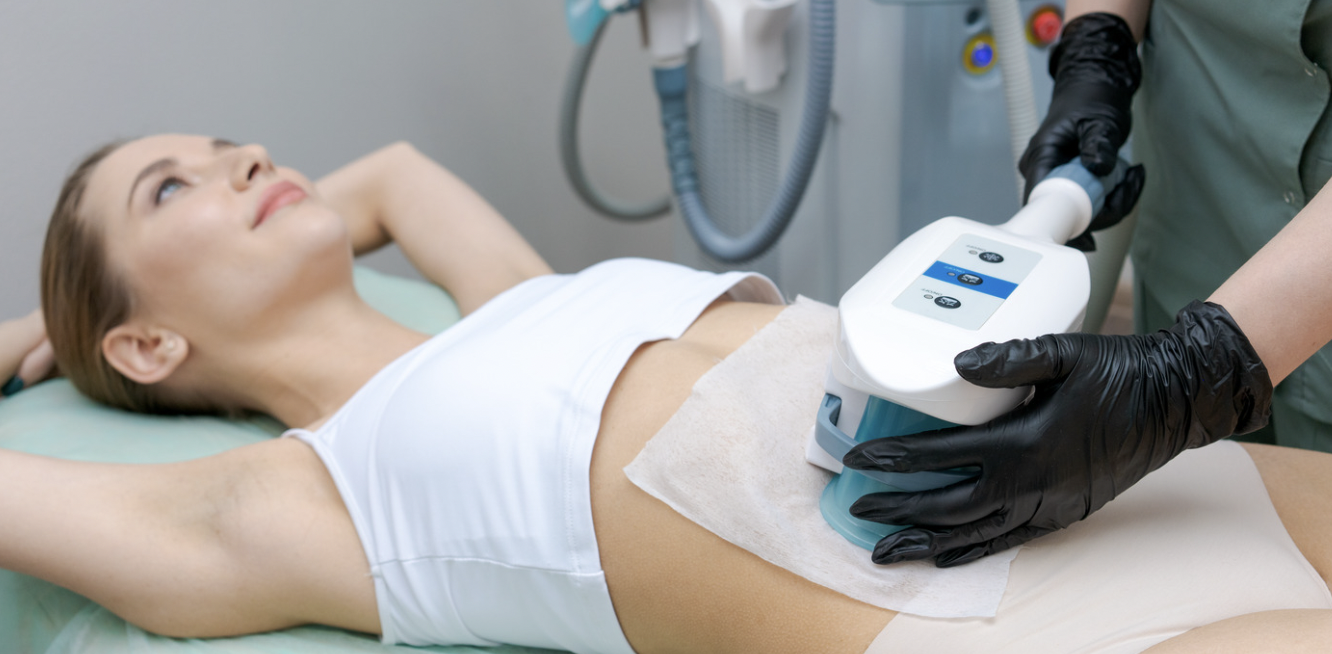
{"x":164,"y":190}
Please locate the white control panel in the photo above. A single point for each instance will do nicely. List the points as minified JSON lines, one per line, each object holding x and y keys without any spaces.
{"x":949,"y":287}
{"x":969,"y":281}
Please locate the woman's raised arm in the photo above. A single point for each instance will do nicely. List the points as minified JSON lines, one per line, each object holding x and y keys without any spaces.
{"x":448,"y":231}
{"x":249,"y":540}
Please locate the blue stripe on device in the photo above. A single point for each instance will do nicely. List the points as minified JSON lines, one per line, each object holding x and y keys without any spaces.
{"x":958,"y":276}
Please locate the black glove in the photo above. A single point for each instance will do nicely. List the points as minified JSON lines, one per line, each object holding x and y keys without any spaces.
{"x":1106,"y":411}
{"x":1096,"y":71}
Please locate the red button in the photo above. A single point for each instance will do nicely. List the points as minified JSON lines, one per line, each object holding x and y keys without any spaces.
{"x":1045,"y":26}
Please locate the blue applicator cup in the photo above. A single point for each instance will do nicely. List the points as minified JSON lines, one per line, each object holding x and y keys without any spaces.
{"x":882,"y":419}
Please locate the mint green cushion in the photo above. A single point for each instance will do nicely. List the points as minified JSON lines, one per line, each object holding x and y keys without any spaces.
{"x":55,"y":420}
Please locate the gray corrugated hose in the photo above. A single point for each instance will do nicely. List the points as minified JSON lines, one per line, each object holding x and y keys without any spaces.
{"x":570,"y":108}
{"x":672,"y":84}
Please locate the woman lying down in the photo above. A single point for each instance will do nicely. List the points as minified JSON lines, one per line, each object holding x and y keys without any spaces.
{"x":469,"y":488}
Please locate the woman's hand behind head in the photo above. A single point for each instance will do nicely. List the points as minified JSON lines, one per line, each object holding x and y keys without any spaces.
{"x":25,"y":352}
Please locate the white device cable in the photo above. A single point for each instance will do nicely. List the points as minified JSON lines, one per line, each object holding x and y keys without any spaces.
{"x":1019,"y":93}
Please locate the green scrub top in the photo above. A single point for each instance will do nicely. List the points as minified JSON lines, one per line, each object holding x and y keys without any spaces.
{"x":1233,"y":124}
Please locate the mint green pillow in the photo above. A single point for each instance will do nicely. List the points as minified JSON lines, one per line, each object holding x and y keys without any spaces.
{"x":53,"y":419}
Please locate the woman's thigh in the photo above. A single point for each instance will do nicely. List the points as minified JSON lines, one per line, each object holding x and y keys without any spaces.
{"x":1290,"y":631}
{"x":1300,"y":485}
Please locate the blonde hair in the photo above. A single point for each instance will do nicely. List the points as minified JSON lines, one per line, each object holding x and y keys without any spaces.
{"x":83,"y":298}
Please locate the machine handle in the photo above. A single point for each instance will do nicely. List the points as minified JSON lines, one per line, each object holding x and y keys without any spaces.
{"x":1096,"y":187}
{"x":1064,"y":203}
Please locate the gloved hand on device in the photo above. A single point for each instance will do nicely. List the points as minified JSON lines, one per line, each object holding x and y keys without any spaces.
{"x":1106,"y":411}
{"x":1096,"y":72}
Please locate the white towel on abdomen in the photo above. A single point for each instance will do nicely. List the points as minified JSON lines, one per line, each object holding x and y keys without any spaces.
{"x":732,"y":460}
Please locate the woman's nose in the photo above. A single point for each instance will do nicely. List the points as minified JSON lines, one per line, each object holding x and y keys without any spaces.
{"x":248,"y":163}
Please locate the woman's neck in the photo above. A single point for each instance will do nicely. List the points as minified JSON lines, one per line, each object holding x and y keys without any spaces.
{"x":306,"y":370}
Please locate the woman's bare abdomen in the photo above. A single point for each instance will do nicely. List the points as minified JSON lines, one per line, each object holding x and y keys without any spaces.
{"x":676,"y":586}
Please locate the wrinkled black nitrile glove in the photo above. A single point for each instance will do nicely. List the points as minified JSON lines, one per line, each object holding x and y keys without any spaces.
{"x":1096,"y":71}
{"x":1106,"y":411}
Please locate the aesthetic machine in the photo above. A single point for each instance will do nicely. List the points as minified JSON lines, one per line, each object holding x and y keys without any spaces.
{"x":918,"y":97}
{"x":948,"y":287}
{"x":934,"y":102}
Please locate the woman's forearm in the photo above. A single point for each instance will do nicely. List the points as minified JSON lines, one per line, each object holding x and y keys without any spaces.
{"x":1134,"y":12}
{"x":354,"y":191}
{"x":1281,"y":298}
{"x":448,"y":231}
{"x":452,"y":235}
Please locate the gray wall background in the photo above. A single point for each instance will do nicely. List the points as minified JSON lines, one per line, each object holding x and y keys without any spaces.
{"x":475,"y":84}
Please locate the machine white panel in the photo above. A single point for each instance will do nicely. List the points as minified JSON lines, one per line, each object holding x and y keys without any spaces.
{"x":969,"y":282}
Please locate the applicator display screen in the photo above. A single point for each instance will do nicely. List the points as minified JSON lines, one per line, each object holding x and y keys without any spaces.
{"x":971,"y":279}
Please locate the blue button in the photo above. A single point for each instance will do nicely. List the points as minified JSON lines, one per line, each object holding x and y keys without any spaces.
{"x":959,"y":276}
{"x":982,"y":55}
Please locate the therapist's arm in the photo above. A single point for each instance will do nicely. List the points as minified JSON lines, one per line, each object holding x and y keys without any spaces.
{"x":1281,"y":297}
{"x":1134,"y":12}
{"x":448,"y":231}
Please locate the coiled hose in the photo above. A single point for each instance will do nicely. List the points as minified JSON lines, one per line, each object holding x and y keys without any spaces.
{"x":672,"y":85}
{"x":570,"y":108}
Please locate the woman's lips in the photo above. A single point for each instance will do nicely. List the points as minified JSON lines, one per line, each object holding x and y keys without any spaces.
{"x":276,"y":197}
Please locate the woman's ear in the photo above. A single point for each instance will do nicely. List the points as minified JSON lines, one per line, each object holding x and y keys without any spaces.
{"x":146,"y":355}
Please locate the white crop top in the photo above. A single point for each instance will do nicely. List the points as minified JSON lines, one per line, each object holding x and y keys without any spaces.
{"x":464,"y":463}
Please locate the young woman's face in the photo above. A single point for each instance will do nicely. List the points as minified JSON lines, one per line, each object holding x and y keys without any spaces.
{"x":211,"y":234}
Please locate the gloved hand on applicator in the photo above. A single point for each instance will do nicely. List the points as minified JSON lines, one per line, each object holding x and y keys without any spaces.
{"x":1096,"y":72}
{"x":1106,"y":411}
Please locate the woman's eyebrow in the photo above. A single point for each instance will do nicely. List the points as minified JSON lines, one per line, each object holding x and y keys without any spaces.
{"x":218,"y":144}
{"x":149,"y":170}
